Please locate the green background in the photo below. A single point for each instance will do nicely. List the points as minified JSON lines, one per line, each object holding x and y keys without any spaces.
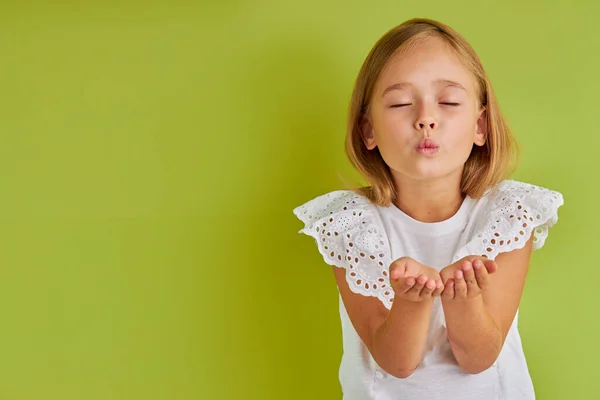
{"x":151,"y":154}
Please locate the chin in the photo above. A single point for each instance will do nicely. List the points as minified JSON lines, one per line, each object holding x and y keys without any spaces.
{"x":432,"y":168}
{"x":425,"y":174}
{"x":428,"y":175}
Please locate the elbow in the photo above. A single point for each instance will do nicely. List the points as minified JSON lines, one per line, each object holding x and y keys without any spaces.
{"x":400,"y":373}
{"x":398,"y":368}
{"x":476,"y":367}
{"x":473,"y":370}
{"x":403,"y":374}
{"x":474,"y":363}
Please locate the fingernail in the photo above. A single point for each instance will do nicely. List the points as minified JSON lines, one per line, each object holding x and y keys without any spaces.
{"x":451,"y":283}
{"x":459,"y":274}
{"x":467,"y":266}
{"x":478,"y":264}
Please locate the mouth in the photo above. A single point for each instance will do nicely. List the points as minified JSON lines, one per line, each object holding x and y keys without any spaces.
{"x":427,"y":147}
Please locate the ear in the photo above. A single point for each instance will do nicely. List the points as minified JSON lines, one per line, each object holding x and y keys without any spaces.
{"x":481,"y":129}
{"x":368,"y":134}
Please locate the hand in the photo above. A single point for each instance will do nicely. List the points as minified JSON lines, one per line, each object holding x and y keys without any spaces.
{"x":414,"y":281}
{"x":467,"y":278}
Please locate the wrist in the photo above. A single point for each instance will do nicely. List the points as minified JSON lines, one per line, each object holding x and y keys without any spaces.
{"x":404,"y":304}
{"x":471,"y":304}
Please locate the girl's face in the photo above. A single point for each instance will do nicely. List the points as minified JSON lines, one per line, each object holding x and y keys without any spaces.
{"x":425,"y":115}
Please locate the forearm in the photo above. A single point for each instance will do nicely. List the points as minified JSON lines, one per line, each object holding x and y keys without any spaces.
{"x":474,"y":337}
{"x":399,"y":343}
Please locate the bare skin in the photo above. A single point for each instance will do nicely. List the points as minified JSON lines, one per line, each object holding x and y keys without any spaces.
{"x":479,"y":310}
{"x":427,"y":94}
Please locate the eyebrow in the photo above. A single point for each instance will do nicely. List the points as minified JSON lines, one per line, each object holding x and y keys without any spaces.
{"x":402,"y":85}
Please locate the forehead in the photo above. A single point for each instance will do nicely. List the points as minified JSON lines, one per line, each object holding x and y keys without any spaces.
{"x":421,"y":64}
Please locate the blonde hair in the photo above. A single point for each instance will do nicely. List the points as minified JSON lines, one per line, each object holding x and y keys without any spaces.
{"x":486,"y":166}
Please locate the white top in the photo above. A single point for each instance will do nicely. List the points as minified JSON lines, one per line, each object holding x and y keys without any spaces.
{"x":364,"y":239}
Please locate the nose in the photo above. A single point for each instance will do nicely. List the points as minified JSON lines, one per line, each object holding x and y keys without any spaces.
{"x":425,"y":119}
{"x":425,"y":124}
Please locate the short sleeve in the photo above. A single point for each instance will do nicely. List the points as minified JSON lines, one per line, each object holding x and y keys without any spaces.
{"x":513,"y":212}
{"x":349,"y":235}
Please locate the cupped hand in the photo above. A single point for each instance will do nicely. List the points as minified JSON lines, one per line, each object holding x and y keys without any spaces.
{"x":467,"y":278}
{"x":414,"y":281}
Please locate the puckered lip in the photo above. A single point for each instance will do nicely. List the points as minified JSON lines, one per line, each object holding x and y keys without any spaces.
{"x":427,"y":144}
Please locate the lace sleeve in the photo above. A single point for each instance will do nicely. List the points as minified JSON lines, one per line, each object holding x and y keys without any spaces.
{"x":513,"y":213}
{"x":349,"y":236}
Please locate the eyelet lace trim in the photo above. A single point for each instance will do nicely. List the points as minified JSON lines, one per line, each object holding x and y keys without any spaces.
{"x":514,"y":211}
{"x":347,"y":236}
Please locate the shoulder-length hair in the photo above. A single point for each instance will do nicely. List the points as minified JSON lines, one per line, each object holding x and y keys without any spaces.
{"x":486,"y":166}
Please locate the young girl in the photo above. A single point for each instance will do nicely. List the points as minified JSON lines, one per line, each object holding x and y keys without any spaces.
{"x":430,"y":260}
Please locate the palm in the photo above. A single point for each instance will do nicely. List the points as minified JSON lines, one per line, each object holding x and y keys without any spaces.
{"x":414,"y":281}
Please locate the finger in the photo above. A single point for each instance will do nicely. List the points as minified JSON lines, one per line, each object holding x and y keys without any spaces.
{"x":439,"y":288}
{"x":397,"y":270}
{"x":446,"y":274}
{"x":481,"y":274}
{"x":428,"y":288}
{"x":409,"y":283}
{"x":448,"y":292}
{"x":469,"y":277}
{"x":460,"y":286}
{"x":490,"y":266}
{"x":418,"y":286}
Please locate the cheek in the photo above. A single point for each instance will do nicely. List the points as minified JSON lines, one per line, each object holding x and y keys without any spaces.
{"x":392,"y":136}
{"x":396,"y":141}
{"x":395,"y":130}
{"x":458,"y":139}
{"x":461,"y":130}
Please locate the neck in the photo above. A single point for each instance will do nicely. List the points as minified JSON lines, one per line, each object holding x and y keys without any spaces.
{"x":429,"y":200}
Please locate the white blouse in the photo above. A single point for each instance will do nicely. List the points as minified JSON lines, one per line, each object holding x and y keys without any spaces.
{"x":364,"y":239}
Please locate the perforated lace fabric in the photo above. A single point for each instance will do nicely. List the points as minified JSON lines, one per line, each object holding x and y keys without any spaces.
{"x":514,"y":210}
{"x":344,"y":226}
{"x":349,"y":233}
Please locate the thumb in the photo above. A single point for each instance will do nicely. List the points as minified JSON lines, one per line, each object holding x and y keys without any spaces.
{"x":490,"y":265}
{"x":398,"y":270}
{"x":396,"y":273}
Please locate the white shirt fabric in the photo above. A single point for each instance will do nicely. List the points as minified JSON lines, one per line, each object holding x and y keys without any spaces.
{"x":354,"y":234}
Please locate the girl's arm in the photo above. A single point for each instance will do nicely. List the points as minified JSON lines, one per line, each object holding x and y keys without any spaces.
{"x":478,"y":325}
{"x":396,"y":337}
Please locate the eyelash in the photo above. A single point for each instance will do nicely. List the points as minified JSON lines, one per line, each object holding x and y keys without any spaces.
{"x":408,"y":104}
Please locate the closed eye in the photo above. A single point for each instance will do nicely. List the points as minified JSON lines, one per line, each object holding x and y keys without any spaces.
{"x":410,"y":104}
{"x":451,"y":104}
